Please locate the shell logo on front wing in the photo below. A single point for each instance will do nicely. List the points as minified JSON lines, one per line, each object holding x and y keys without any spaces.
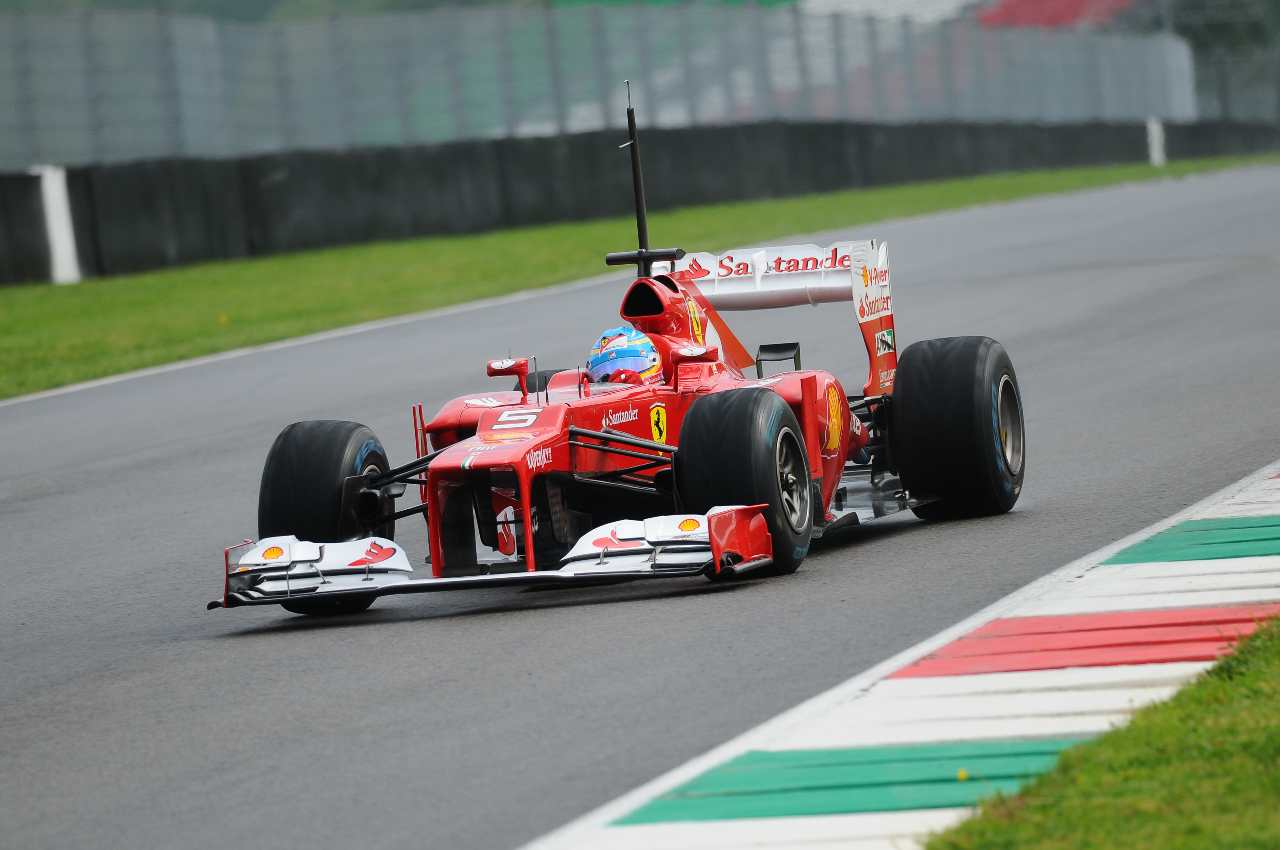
{"x":271,"y":553}
{"x":687,"y":525}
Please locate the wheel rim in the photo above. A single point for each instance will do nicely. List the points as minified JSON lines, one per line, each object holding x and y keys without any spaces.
{"x":1009,"y":424}
{"x":793,"y":484}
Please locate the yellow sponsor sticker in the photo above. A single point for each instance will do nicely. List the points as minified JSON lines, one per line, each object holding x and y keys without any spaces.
{"x":695,"y":324}
{"x":835,"y":419}
{"x":689,"y":525}
{"x":272,"y":552}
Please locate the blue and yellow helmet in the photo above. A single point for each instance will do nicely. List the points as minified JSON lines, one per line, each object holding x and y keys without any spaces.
{"x":623,"y":349}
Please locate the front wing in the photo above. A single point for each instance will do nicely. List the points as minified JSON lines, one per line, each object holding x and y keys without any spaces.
{"x":725,"y":541}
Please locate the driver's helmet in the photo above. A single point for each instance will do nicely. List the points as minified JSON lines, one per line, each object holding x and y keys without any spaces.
{"x":624,"y":354}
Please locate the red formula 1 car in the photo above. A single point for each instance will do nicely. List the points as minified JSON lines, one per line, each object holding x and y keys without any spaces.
{"x":704,"y":467}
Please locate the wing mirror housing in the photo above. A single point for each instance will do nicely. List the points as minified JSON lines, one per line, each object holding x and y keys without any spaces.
{"x":518,"y":366}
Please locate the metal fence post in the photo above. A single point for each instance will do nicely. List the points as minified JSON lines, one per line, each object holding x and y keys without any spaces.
{"x":92,"y":94}
{"x":26,"y":110}
{"x":760,"y":51}
{"x":912,"y":110}
{"x":1222,"y":70}
{"x":978,"y":41}
{"x":1275,"y":80}
{"x":838,"y":43}
{"x":553,"y":64}
{"x":879,"y":106}
{"x":402,"y":44}
{"x":448,"y":37}
{"x":1047,"y":72}
{"x":172,"y":84}
{"x":690,"y":88}
{"x":725,"y":56}
{"x":807,"y":104}
{"x":506,"y":72}
{"x":344,"y":85}
{"x":600,"y":55}
{"x":645,"y":60}
{"x":948,"y":110}
{"x":284,"y":96}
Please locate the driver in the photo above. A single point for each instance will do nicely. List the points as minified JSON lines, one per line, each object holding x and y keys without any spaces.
{"x":624,"y":355}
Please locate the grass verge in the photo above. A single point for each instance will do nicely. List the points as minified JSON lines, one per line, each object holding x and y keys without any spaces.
{"x":1199,"y":771}
{"x":51,"y":336}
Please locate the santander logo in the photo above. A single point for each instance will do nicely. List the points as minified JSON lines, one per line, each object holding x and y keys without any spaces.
{"x":696,"y":269}
{"x":730,"y":266}
{"x":619,"y":417}
{"x":874,"y":306}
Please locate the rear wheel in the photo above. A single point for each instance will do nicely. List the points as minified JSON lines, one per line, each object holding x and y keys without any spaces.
{"x":957,"y":430}
{"x":745,"y":447}
{"x":301,"y":493}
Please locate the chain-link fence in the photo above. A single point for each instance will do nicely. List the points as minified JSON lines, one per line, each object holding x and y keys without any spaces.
{"x":114,"y":86}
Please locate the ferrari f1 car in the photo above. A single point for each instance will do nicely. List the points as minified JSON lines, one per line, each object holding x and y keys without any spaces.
{"x":702,"y":466}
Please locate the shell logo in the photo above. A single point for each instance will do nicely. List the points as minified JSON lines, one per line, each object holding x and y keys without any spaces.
{"x":689,"y":525}
{"x":272,"y":552}
{"x":835,"y":419}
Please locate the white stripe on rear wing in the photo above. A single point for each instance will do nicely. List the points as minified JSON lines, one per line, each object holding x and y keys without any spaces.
{"x":789,"y":276}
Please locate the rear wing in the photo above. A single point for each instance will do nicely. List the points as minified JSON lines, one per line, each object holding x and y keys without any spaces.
{"x":796,"y":275}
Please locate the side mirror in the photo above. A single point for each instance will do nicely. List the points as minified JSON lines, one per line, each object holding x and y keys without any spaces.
{"x":694,"y":354}
{"x":518,"y":366}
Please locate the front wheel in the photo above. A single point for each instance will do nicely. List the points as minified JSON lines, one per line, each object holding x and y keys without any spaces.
{"x":301,"y":493}
{"x":957,"y":433}
{"x":745,"y":447}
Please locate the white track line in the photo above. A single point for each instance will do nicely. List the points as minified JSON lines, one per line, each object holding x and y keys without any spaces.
{"x":322,"y":336}
{"x":581,"y":832}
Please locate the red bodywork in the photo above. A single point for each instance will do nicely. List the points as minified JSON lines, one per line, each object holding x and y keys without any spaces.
{"x":516,"y":437}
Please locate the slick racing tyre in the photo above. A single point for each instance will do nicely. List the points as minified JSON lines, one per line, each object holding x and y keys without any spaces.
{"x":301,"y":492}
{"x":745,"y":447}
{"x":957,"y":431}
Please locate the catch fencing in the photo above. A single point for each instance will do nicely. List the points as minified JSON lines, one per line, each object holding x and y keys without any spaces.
{"x":130,"y":217}
{"x":115,"y":86}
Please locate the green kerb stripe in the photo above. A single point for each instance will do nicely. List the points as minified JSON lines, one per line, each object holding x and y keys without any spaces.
{"x":1206,"y":539}
{"x":765,"y":784}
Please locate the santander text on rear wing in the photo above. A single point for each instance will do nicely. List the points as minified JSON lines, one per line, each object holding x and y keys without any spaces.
{"x":796,"y":275}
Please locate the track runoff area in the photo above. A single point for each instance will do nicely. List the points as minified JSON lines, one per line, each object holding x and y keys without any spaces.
{"x":910,"y":746}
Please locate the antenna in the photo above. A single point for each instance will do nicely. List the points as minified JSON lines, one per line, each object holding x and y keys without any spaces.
{"x":643,"y":257}
{"x":637,"y":179}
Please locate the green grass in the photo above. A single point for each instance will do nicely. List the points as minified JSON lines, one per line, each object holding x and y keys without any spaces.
{"x":1199,"y":771}
{"x":50,"y":336}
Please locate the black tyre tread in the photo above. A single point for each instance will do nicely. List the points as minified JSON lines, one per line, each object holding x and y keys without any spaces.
{"x":302,"y":479}
{"x":943,"y":441}
{"x":720,"y":462}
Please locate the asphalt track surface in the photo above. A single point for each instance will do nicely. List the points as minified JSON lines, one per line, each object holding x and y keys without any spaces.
{"x":1143,"y":320}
